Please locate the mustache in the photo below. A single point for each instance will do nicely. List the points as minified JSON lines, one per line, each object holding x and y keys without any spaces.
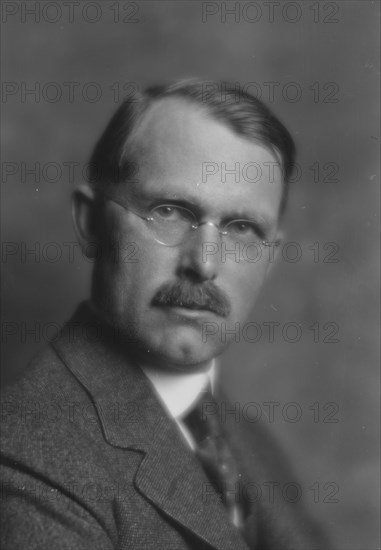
{"x":194,"y":296}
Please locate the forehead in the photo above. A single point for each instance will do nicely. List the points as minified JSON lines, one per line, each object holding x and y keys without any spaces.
{"x":184,"y":153}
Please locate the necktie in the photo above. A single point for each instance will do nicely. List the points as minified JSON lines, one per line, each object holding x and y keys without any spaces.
{"x":219,"y":464}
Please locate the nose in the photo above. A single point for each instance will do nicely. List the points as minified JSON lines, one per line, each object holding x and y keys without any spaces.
{"x":200,"y":253}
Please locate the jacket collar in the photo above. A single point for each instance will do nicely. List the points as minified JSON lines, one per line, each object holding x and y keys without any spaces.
{"x":132,"y":417}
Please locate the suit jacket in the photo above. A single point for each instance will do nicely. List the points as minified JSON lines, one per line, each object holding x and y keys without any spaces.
{"x":91,"y":460}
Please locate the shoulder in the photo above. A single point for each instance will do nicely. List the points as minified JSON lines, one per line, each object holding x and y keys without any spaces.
{"x":46,"y":414}
{"x":46,"y":373}
{"x":48,"y":462}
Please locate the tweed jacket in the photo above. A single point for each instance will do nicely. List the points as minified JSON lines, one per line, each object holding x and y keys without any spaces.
{"x":91,"y":460}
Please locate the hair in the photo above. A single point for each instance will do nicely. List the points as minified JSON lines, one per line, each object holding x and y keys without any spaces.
{"x":111,"y":161}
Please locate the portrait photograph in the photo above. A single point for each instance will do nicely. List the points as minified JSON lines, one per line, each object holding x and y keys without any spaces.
{"x":190,"y":259}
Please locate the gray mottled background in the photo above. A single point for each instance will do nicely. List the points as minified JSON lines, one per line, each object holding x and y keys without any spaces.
{"x":329,"y":51}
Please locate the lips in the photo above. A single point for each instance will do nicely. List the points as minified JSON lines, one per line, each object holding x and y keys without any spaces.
{"x":192,"y":306}
{"x":196,"y":297}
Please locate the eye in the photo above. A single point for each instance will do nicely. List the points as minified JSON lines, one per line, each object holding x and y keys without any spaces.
{"x":165,"y":211}
{"x":172,"y":213}
{"x":242,"y":227}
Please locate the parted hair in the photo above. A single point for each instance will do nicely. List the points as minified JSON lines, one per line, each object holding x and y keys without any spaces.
{"x":111,"y":161}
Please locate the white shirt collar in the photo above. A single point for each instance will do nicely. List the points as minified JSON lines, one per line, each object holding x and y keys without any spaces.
{"x":179,"y":391}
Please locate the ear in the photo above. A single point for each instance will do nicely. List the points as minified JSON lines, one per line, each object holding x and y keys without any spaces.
{"x":274,"y":252}
{"x":83,"y":213}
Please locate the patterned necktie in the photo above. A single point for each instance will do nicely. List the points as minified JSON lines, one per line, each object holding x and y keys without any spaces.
{"x":203,"y":422}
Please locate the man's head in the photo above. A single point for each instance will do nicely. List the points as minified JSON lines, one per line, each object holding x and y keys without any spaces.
{"x":160,"y":170}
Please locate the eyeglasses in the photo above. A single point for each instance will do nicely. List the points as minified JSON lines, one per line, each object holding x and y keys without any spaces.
{"x":172,"y":225}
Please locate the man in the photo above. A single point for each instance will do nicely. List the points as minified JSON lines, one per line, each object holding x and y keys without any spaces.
{"x":100,"y":449}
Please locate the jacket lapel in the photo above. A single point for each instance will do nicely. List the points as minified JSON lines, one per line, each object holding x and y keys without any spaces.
{"x":132,"y":417}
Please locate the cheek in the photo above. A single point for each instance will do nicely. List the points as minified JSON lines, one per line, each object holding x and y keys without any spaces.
{"x":245,"y":284}
{"x":140,"y":269}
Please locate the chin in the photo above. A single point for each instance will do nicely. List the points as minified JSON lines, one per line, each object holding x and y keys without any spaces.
{"x":176,"y":347}
{"x":185,"y":354}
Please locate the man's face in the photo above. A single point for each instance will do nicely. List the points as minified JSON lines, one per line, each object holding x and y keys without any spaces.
{"x":184,"y":157}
